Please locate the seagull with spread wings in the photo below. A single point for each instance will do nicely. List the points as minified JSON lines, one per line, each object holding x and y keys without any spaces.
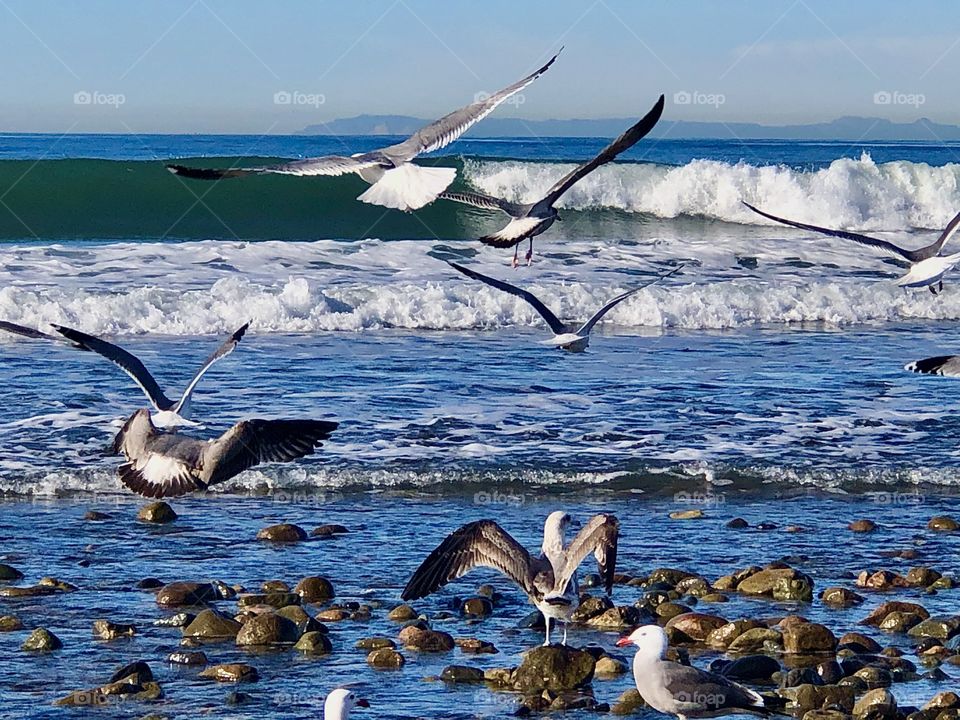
{"x":927,"y":265}
{"x":574,"y":337}
{"x":169,"y":413}
{"x":168,"y":464}
{"x":395,"y":182}
{"x":550,"y":581}
{"x":527,"y":220}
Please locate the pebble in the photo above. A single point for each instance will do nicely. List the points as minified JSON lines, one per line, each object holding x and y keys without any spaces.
{"x":315,"y":589}
{"x":283,"y":533}
{"x":187,"y":658}
{"x":158,"y":513}
{"x":862,"y":526}
{"x":943,"y":523}
{"x":231,"y":672}
{"x":41,"y":640}
{"x":385,"y":658}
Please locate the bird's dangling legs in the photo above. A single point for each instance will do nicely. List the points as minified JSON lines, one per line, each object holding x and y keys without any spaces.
{"x":516,"y":262}
{"x":530,"y":253}
{"x":941,"y":286}
{"x":546,"y":620}
{"x":932,"y":289}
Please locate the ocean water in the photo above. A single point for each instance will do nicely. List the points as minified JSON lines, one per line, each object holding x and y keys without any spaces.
{"x":764,"y":379}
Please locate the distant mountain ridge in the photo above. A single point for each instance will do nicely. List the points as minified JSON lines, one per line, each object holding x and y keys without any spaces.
{"x":858,"y":129}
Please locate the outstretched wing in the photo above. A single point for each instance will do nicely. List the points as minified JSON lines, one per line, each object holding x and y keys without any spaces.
{"x":31,"y":333}
{"x":126,"y":361}
{"x":599,"y":536}
{"x":946,"y":365}
{"x":444,"y":131}
{"x":887,"y":247}
{"x":588,"y":325}
{"x":228,"y":346}
{"x":325,"y":165}
{"x":480,"y":200}
{"x":552,"y":320}
{"x":478,"y":544}
{"x":252,"y":442}
{"x":627,"y":140}
{"x":934,"y":248}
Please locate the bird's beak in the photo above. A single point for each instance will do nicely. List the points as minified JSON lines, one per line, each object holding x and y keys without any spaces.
{"x":623,"y":642}
{"x":362,"y":702}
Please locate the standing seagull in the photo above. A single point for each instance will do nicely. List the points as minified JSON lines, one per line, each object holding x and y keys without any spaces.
{"x":168,"y":464}
{"x":395,"y":181}
{"x":681,"y":690}
{"x":550,"y":581}
{"x":927,"y":265}
{"x":531,"y":219}
{"x":566,"y":336}
{"x":169,"y":414}
{"x":340,"y":702}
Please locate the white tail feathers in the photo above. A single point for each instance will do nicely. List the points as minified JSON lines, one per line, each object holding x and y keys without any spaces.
{"x":409,"y":186}
{"x":929,"y":271}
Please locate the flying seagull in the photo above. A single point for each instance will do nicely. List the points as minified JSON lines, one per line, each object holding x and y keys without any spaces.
{"x":681,"y":690}
{"x":527,"y":220}
{"x":550,"y":581}
{"x":168,"y":464}
{"x":340,"y":702}
{"x":33,"y":333}
{"x":395,"y":181}
{"x":169,"y":414}
{"x":927,"y":265}
{"x":946,"y":365}
{"x":567,"y":336}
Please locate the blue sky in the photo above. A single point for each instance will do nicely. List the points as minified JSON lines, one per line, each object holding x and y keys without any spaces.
{"x":218,"y":65}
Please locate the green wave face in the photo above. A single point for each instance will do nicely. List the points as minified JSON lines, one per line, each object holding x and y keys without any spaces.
{"x":138,"y":200}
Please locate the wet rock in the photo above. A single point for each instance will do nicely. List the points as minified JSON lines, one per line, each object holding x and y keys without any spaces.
{"x":808,"y":638}
{"x":268,"y":629}
{"x":385,"y":658}
{"x":876,"y":704}
{"x":231,"y":672}
{"x":314,"y":643}
{"x":738,"y":524}
{"x":302,"y":619}
{"x":554,"y":667}
{"x":179,"y":620}
{"x":461,"y":674}
{"x":210,"y":624}
{"x":95,"y":516}
{"x":922,"y":577}
{"x":694,"y":514}
{"x":941,"y":628}
{"x":333,"y":615}
{"x":402,"y":613}
{"x":274,"y":586}
{"x":754,"y":640}
{"x":628,"y":703}
{"x":694,"y":586}
{"x":862,"y":526}
{"x":57,"y":585}
{"x":21,"y":592}
{"x":474,"y":646}
{"x":669,"y":610}
{"x":9,"y":573}
{"x":825,"y":715}
{"x":943,"y":523}
{"x":715,"y":598}
{"x":696,"y":626}
{"x":899,"y":621}
{"x":616,"y":618}
{"x":880,"y":580}
{"x":668,"y":576}
{"x":721,"y":637}
{"x":375,"y":643}
{"x":283,"y":533}
{"x":10,"y":623}
{"x":41,"y":640}
{"x":326,"y":531}
{"x":803,"y":698}
{"x":874,"y":677}
{"x":272,"y":599}
{"x":779,"y":583}
{"x":477,"y":607}
{"x":314,"y":589}
{"x":591,"y":607}
{"x":877,"y":616}
{"x":607,"y":666}
{"x":182,"y":593}
{"x":149,"y":584}
{"x":943,"y":701}
{"x":840,"y":597}
{"x":106,"y":630}
{"x":860,"y":643}
{"x":425,"y":640}
{"x":158,"y":513}
{"x":751,"y":668}
{"x":192,"y":658}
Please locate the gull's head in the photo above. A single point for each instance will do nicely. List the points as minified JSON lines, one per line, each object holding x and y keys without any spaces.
{"x":651,"y":641}
{"x":557,"y":524}
{"x":340,"y":702}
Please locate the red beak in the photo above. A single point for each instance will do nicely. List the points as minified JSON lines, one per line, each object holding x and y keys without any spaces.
{"x":362,"y":702}
{"x":623,"y":642}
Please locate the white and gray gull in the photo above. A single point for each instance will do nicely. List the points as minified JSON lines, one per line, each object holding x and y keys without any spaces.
{"x":926,"y":265}
{"x":168,"y":464}
{"x":682,"y":690}
{"x":574,"y":337}
{"x":550,"y":580}
{"x":527,"y":220}
{"x":395,"y":181}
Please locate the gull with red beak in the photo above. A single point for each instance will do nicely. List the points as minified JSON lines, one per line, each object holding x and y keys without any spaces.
{"x":681,"y":690}
{"x":340,"y":702}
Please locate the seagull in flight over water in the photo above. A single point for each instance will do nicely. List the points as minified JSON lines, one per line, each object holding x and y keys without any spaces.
{"x":550,"y":581}
{"x":527,"y":220}
{"x":395,"y":182}
{"x":169,"y":413}
{"x":927,"y":265}
{"x":573,"y":337}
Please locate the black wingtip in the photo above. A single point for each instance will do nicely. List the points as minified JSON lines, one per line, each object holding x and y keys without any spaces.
{"x":929,"y":366}
{"x":196,"y":173}
{"x":238,"y":334}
